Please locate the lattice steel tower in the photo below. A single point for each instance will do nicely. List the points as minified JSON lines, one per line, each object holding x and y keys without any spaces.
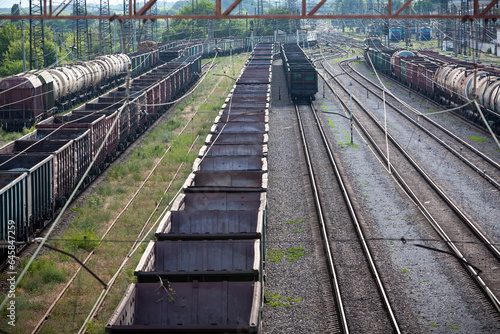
{"x":82,"y":31}
{"x":37,"y":39}
{"x":154,"y":25}
{"x":105,"y":37}
{"x":127,"y":30}
{"x":147,"y":27}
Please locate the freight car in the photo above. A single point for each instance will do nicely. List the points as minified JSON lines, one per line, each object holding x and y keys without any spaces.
{"x":39,"y":171}
{"x":209,"y":248}
{"x":300,"y":73}
{"x":446,"y":79}
{"x":29,"y":97}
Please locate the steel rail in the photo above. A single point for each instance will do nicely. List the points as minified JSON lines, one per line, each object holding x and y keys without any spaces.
{"x":473,"y":273}
{"x":61,"y":294}
{"x":326,"y":244}
{"x":469,"y":163}
{"x":430,"y":120}
{"x":355,"y":220}
{"x":435,"y":103}
{"x":435,"y":186}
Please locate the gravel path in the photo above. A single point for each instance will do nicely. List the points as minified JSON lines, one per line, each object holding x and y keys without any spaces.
{"x":289,"y":225}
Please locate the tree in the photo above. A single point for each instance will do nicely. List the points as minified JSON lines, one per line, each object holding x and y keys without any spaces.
{"x":192,"y":29}
{"x":270,"y":25}
{"x":423,"y":6}
{"x":186,"y":29}
{"x":8,"y":34}
{"x":14,"y":11}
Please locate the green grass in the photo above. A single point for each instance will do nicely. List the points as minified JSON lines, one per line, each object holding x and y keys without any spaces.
{"x":41,"y":273}
{"x":274,"y":299}
{"x":274,"y":255}
{"x":478,"y":139}
{"x":293,"y":254}
{"x":344,"y":145}
{"x":85,"y":238}
{"x":331,"y":123}
{"x":296,"y":221}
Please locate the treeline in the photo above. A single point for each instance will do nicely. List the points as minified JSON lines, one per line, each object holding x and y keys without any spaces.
{"x":62,"y":34}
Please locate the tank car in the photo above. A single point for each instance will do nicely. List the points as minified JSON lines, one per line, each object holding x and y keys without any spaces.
{"x":29,"y":97}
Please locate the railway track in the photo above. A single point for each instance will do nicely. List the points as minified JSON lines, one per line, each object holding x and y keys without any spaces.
{"x":121,"y":157}
{"x":474,"y":251}
{"x":478,"y":161}
{"x":347,"y":262}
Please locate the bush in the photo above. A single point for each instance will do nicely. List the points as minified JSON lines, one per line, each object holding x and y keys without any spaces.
{"x":41,"y":271}
{"x":85,"y":239}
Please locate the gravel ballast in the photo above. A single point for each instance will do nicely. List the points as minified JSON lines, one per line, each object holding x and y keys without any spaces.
{"x":430,"y":291}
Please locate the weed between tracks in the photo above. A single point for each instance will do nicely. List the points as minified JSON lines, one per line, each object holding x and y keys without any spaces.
{"x":92,"y":216}
{"x":274,"y":299}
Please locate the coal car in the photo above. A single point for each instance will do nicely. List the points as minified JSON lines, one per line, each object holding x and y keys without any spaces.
{"x":300,"y":72}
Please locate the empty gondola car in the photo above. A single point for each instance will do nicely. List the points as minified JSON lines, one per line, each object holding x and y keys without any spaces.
{"x":300,"y":73}
{"x":204,"y":273}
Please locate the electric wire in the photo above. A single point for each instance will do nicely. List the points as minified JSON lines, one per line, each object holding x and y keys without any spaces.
{"x":58,"y":218}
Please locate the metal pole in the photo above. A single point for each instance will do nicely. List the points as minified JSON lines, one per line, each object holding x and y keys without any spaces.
{"x":323,"y":75}
{"x":114,"y":34}
{"x":350,"y":107}
{"x":385,"y":127}
{"x":22,"y":43}
{"x":79,"y":262}
{"x":55,"y":47}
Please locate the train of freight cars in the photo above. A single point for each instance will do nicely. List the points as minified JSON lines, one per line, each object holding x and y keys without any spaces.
{"x":449,"y":80}
{"x":204,"y":271}
{"x":29,"y":97}
{"x":39,"y":172}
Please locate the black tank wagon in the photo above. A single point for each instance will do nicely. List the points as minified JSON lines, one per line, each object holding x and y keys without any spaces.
{"x":209,"y":249}
{"x":300,"y":72}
